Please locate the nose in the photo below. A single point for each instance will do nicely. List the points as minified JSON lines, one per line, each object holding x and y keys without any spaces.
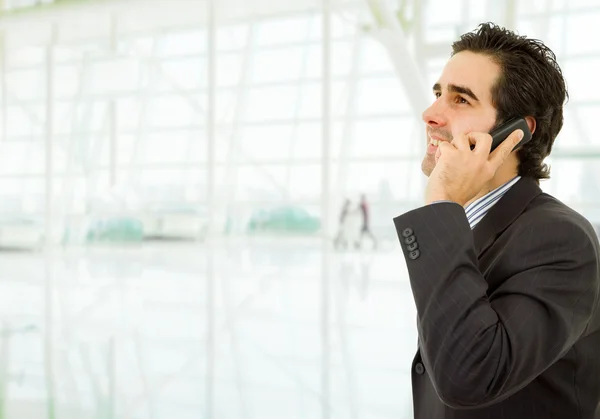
{"x":434,"y":116}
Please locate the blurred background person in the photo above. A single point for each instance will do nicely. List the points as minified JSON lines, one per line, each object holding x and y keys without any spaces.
{"x":341,"y":239}
{"x":365,"y":230}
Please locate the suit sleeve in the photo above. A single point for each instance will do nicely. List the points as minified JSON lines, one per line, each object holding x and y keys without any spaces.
{"x":480,"y":349}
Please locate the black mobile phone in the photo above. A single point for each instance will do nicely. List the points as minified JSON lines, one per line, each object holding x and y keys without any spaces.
{"x":499,"y":134}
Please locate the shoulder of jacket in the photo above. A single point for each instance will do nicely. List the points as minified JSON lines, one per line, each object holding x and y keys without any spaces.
{"x":545,"y":211}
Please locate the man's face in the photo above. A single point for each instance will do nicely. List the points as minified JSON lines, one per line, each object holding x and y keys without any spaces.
{"x":463,"y":102}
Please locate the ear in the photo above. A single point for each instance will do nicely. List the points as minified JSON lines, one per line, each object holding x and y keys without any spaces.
{"x":531,"y":123}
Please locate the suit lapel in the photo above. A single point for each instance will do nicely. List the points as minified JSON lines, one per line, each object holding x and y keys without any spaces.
{"x":504,"y":213}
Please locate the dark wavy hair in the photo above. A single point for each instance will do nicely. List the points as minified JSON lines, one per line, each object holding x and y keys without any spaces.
{"x":530,"y":84}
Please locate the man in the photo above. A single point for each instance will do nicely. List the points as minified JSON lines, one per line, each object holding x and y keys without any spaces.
{"x":341,"y":239}
{"x":365,"y":229}
{"x":505,"y":277}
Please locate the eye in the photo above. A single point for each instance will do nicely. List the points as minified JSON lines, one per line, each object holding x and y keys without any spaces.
{"x":437,"y":95}
{"x":461,"y":100}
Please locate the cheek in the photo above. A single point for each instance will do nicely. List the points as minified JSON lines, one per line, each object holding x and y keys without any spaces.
{"x":475,"y":124}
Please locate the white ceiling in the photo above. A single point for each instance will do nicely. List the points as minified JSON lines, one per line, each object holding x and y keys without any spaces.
{"x":91,"y":19}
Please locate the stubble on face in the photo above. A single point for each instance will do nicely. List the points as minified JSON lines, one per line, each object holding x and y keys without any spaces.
{"x":428,"y":163}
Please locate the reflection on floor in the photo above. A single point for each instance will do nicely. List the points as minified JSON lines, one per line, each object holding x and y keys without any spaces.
{"x":247,"y":330}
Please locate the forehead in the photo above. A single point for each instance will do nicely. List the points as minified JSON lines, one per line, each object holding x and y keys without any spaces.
{"x":475,"y":71}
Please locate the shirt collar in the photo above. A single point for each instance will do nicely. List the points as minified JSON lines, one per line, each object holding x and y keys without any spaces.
{"x":476,"y":210}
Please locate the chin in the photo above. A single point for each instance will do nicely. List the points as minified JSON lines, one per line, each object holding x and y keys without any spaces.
{"x":427,"y":166}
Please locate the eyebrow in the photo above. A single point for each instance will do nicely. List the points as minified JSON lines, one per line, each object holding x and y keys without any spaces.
{"x":457,"y":89}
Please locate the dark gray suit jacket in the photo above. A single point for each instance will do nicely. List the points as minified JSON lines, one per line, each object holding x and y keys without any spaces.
{"x":508,"y":314}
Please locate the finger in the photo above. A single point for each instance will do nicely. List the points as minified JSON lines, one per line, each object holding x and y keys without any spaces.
{"x":460,"y":140}
{"x":481,"y":141}
{"x":460,"y":137}
{"x":506,"y":147}
{"x":445,"y":148}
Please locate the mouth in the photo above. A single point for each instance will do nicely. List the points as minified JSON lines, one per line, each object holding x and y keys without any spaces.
{"x":435,"y":140}
{"x":433,"y":144}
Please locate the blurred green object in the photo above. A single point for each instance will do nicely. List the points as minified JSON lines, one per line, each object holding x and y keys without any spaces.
{"x":121,"y":230}
{"x":283,"y":220}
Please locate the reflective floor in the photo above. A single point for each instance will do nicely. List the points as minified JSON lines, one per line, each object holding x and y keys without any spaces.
{"x":252,"y":329}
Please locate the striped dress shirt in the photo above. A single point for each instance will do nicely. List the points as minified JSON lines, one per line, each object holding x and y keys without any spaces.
{"x":476,"y":210}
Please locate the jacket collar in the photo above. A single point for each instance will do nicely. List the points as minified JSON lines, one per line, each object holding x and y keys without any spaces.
{"x":505,"y":212}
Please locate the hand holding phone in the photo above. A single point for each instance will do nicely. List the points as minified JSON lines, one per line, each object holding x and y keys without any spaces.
{"x":503,"y":131}
{"x":499,"y":134}
{"x":472,"y":171}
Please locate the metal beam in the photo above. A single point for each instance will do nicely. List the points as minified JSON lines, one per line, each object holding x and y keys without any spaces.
{"x":350,"y":120}
{"x":228,"y":196}
{"x":326,"y":209}
{"x":49,"y":128}
{"x":296,"y":118}
{"x":210,"y":324}
{"x":391,"y":35}
{"x":4,"y":86}
{"x":112,"y":107}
